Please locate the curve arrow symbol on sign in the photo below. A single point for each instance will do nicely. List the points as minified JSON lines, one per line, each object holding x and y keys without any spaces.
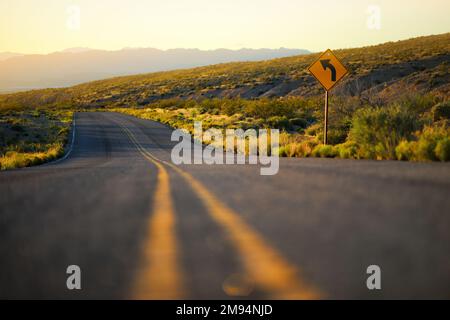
{"x":327,"y":65}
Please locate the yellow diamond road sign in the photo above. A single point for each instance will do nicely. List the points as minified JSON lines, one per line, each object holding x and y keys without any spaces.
{"x":328,"y":70}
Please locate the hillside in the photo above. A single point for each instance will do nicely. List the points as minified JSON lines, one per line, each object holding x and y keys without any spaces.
{"x":419,"y":64}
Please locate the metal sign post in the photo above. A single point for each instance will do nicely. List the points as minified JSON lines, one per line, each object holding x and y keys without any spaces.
{"x":325,"y":129}
{"x":328,"y":70}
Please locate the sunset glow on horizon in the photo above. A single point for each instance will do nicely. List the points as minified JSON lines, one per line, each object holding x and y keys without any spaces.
{"x":43,"y":26}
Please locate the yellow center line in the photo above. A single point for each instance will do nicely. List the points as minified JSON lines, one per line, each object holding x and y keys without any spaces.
{"x":159,"y":275}
{"x":263,"y":264}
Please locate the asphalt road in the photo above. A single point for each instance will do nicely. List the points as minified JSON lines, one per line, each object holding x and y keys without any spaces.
{"x":140,"y":227}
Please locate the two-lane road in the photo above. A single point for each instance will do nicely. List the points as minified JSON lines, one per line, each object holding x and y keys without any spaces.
{"x":140,"y":227}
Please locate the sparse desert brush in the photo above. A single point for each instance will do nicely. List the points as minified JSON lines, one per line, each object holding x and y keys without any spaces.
{"x":13,"y":159}
{"x":418,"y":103}
{"x":442,"y":150}
{"x":383,"y":132}
{"x":324,"y":151}
{"x":293,"y":150}
{"x":297,"y":149}
{"x":347,"y":150}
{"x":441,"y":111}
{"x":433,"y":143}
{"x":41,"y":138}
{"x":405,"y":150}
{"x":279,"y":122}
{"x":301,"y":122}
{"x":314,"y":130}
{"x":304,"y":149}
{"x":378,"y":130}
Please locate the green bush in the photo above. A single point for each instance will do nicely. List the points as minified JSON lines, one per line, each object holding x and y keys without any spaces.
{"x":418,"y":103}
{"x":303,"y":149}
{"x":282,"y":151}
{"x":297,"y":149}
{"x":347,"y":150}
{"x":442,"y":150}
{"x":278,"y":122}
{"x":405,"y":150}
{"x":428,"y":142}
{"x":378,"y":131}
{"x":302,"y":123}
{"x":324,"y":151}
{"x":268,"y":107}
{"x":425,"y":150}
{"x":441,"y":111}
{"x":433,"y":144}
{"x":335,"y":135}
{"x":314,"y":130}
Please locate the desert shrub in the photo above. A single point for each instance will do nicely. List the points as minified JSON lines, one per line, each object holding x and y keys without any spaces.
{"x":442,"y":150}
{"x":378,"y":131}
{"x":405,"y":150}
{"x":38,"y":137}
{"x":209,"y":105}
{"x":230,"y":108}
{"x":419,"y":103}
{"x":288,"y":150}
{"x":278,"y":122}
{"x":441,"y":111}
{"x":427,"y":144}
{"x":13,"y":159}
{"x":335,"y":136}
{"x":314,"y":129}
{"x":291,"y":148}
{"x":302,"y":149}
{"x":266,"y":108}
{"x":302,"y":123}
{"x":282,"y":151}
{"x":324,"y":151}
{"x":347,"y":150}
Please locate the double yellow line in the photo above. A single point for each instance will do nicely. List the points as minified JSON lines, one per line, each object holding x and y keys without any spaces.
{"x":160,"y":276}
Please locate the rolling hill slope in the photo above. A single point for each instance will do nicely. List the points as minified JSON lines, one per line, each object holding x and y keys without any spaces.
{"x":381,"y":71}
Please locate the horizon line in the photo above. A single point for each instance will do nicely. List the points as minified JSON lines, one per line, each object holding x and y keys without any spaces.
{"x":86,"y":49}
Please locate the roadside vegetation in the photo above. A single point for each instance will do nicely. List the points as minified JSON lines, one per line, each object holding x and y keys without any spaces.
{"x":393,"y":105}
{"x":31,"y":137}
{"x":417,"y":127}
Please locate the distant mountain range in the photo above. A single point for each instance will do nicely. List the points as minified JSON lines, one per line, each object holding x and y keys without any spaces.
{"x":77,"y":65}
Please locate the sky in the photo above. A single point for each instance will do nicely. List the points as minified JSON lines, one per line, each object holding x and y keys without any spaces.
{"x":43,"y":26}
